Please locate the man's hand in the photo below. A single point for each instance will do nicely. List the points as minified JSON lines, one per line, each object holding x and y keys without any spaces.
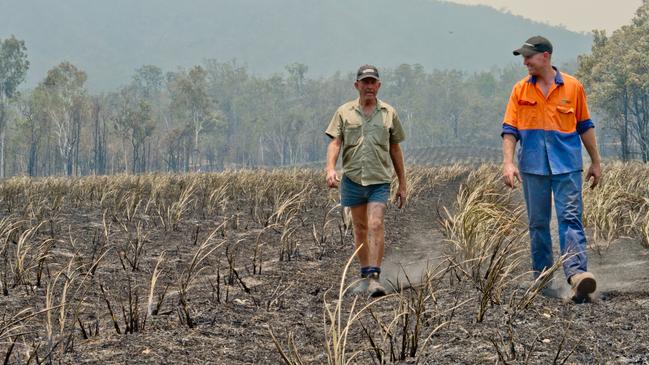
{"x":332,"y":179}
{"x":333,"y":149}
{"x":396,"y":155}
{"x":594,"y":171}
{"x":401,"y":197}
{"x":511,"y":175}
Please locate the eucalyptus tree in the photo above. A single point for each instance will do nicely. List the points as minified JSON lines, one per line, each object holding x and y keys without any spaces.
{"x":148,"y":82}
{"x":134,"y":121}
{"x":13,"y":68}
{"x":65,"y":103}
{"x":232,"y":89}
{"x":297,"y":74}
{"x":31,"y":128}
{"x":99,"y":115}
{"x":193,"y":107}
{"x":616,"y":72}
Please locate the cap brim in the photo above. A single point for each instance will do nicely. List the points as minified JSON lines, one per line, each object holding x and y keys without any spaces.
{"x":368,"y":76}
{"x":524,"y":51}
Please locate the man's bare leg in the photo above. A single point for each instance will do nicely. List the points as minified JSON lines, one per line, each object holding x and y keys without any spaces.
{"x":368,"y":231}
{"x":359,"y":220}
{"x":376,"y":233}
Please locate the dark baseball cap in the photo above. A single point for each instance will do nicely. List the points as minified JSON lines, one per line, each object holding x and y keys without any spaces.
{"x":534,"y":45}
{"x":366,"y":71}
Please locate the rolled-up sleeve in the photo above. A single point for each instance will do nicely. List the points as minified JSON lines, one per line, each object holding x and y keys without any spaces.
{"x":335,"y":128}
{"x":397,"y":135}
{"x":510,"y":122}
{"x":584,"y":122}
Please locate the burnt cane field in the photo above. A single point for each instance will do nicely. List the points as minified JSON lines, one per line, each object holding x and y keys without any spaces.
{"x":254,"y":267}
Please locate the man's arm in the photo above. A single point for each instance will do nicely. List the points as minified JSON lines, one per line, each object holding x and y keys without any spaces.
{"x":510,"y":171}
{"x":511,"y":135}
{"x":333,"y":150}
{"x":397,"y":161}
{"x":595,"y":169}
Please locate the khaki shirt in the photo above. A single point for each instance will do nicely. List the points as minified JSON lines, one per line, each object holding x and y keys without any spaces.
{"x":366,"y":141}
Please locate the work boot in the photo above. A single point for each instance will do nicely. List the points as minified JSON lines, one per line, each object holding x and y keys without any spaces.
{"x":583,"y":284}
{"x":358,"y":287}
{"x":374,"y":288}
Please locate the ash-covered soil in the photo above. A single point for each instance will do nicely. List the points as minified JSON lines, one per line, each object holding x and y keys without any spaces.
{"x":233,"y":305}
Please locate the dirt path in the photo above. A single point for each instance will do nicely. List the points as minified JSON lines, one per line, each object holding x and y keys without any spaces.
{"x":405,"y":265}
{"x":622,"y":266}
{"x":415,"y":244}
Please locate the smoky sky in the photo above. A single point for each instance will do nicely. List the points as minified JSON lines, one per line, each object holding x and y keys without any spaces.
{"x":575,"y":15}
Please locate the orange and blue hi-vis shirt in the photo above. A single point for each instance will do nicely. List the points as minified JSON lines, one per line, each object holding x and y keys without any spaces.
{"x":548,"y":128}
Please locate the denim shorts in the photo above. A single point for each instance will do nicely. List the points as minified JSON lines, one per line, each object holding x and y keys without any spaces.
{"x":353,"y":194}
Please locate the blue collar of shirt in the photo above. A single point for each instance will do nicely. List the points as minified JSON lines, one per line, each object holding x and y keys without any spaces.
{"x":558,"y":79}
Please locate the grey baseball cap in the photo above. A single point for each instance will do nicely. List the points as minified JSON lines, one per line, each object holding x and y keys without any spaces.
{"x":534,"y":45}
{"x":366,"y":71}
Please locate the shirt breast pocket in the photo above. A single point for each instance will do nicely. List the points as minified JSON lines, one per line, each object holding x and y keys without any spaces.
{"x":379,"y":135}
{"x":567,"y":119}
{"x":527,"y":112}
{"x":352,"y":135}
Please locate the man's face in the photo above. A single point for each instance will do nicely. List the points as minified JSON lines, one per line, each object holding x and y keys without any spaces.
{"x":367,"y":87}
{"x":536,"y":63}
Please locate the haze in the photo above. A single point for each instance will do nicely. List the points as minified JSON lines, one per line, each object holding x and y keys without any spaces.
{"x":576,"y":15}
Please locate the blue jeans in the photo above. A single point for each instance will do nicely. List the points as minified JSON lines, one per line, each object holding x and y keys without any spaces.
{"x":538,"y":191}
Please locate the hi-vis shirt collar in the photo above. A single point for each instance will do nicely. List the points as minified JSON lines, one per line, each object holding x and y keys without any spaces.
{"x":558,"y":79}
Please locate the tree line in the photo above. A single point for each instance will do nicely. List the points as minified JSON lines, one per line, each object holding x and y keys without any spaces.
{"x":219,"y":115}
{"x":617,"y":76}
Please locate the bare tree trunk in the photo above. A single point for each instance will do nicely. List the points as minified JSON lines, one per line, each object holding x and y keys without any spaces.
{"x":643,"y":130}
{"x":33,"y":152}
{"x":3,"y":124}
{"x":77,"y":139}
{"x":625,"y":131}
{"x":146,"y":157}
{"x":188,"y":151}
{"x":2,"y":153}
{"x":96,"y":136}
{"x":48,"y":154}
{"x":196,"y":158}
{"x":125,"y":157}
{"x":261,"y":149}
{"x":103,"y":151}
{"x":641,"y":123}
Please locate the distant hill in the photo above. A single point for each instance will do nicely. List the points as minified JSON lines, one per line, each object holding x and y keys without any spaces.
{"x":109,"y":39}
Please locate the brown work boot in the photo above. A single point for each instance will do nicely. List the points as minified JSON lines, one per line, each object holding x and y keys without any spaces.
{"x":583,"y":284}
{"x":374,"y":287}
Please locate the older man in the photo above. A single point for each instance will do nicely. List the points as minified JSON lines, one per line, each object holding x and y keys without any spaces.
{"x":547,"y":113}
{"x":369,"y":132}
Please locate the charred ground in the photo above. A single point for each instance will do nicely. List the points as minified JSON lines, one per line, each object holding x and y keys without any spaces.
{"x":202,"y":268}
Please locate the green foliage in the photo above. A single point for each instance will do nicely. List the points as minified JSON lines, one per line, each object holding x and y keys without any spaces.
{"x":617,"y":74}
{"x":64,"y":102}
{"x":218,"y":115}
{"x":148,"y":81}
{"x":134,"y":121}
{"x":13,"y":66}
{"x":194,"y":108}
